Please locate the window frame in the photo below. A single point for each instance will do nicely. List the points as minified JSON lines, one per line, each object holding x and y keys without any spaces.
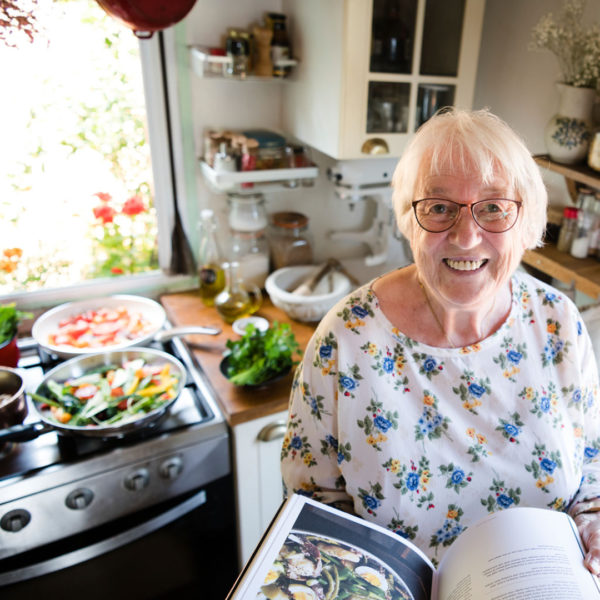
{"x":166,"y":138}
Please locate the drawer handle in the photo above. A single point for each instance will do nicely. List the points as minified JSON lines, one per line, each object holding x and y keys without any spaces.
{"x":272,"y":431}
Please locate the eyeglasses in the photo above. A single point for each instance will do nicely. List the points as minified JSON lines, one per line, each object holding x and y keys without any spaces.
{"x":496,"y":215}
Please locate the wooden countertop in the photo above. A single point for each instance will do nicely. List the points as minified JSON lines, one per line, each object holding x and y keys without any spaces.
{"x":238,"y":405}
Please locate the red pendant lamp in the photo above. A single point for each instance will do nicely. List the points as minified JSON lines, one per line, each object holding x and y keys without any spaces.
{"x":145,"y":17}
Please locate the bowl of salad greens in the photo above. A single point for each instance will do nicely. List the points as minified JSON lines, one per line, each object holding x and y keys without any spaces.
{"x":260,"y":358}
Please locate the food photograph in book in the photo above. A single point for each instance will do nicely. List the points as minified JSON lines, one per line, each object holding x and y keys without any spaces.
{"x":327,"y":557}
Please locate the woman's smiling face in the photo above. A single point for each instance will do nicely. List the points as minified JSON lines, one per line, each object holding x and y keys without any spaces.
{"x":465,"y":266}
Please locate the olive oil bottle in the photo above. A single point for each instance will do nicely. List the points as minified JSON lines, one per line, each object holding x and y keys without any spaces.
{"x":210,"y":268}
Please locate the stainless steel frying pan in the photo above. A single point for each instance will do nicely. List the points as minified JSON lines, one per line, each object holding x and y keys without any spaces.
{"x":48,"y":323}
{"x":76,"y":367}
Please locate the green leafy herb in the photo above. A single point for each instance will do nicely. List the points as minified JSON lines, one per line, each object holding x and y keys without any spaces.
{"x":9,"y":321}
{"x":261,"y":355}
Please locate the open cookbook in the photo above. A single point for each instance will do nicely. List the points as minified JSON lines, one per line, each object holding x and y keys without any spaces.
{"x":312,"y":551}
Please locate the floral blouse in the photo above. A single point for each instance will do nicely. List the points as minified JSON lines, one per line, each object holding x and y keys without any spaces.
{"x":425,"y":440}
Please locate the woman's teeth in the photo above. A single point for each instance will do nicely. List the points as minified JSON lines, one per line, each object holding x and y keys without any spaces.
{"x":464,"y":265}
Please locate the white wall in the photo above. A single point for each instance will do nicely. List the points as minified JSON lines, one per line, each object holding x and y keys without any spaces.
{"x":517,"y":83}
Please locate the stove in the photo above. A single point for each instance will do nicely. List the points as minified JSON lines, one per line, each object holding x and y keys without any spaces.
{"x":62,"y":495}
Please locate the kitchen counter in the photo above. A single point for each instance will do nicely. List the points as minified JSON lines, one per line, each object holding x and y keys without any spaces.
{"x":238,"y":405}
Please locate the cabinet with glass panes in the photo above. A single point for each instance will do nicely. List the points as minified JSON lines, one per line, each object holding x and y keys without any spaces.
{"x":372,"y":71}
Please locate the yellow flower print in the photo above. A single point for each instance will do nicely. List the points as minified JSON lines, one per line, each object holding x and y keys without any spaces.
{"x":471,"y":432}
{"x":481,"y":439}
{"x":465,"y":350}
{"x":381,"y":438}
{"x":371,"y":440}
{"x":400,"y":362}
{"x":428,"y":400}
{"x":307,"y":458}
{"x":371,"y":349}
{"x":348,"y":325}
{"x":539,"y":483}
{"x":395,"y":465}
{"x":558,"y":504}
{"x":551,"y":328}
{"x":286,"y":440}
{"x":529,"y":393}
{"x":452,"y":514}
{"x":577,"y":432}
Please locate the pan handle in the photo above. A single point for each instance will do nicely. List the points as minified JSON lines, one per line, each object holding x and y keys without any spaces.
{"x":167,"y":334}
{"x":24,"y":433}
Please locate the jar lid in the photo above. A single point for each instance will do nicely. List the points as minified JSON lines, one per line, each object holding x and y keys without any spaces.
{"x":289,"y":220}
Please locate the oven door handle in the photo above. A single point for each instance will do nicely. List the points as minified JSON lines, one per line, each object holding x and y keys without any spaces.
{"x":97,"y":549}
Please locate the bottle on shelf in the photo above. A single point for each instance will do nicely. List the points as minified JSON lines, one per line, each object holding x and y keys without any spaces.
{"x":210,"y":270}
{"x":594,"y":246}
{"x":585,"y":218}
{"x":567,"y":229}
{"x":280,"y":44}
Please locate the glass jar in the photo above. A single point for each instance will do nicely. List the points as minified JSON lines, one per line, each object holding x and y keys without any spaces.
{"x":247,"y":212}
{"x":290,"y":240}
{"x":238,"y":51}
{"x":210,"y":272}
{"x":237,"y":299}
{"x":251,"y":250}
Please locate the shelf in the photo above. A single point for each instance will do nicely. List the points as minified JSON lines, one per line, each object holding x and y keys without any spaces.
{"x":230,"y":181}
{"x":574,"y":174}
{"x":583,"y":273}
{"x":203,"y":62}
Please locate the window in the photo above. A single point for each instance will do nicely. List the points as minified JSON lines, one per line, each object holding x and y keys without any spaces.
{"x":86,"y":202}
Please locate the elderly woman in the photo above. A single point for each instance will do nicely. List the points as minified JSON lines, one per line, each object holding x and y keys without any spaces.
{"x":459,"y":385}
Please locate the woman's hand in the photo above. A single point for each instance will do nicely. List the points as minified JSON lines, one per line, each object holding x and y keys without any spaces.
{"x":588,"y":524}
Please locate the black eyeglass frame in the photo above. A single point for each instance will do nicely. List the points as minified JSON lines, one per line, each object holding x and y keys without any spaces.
{"x":470,"y":206}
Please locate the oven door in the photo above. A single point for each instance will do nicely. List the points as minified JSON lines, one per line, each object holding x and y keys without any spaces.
{"x":185,"y":549}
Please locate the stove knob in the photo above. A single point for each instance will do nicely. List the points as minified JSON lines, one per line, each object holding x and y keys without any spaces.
{"x":171,"y":468}
{"x":15,"y":520}
{"x":79,"y":498}
{"x":137,"y":480}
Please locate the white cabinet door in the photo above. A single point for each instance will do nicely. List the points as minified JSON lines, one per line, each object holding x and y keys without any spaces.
{"x":348,"y":100}
{"x":259,"y":490}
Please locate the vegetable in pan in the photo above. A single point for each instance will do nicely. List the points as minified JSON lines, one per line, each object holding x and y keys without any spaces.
{"x":109,"y":395}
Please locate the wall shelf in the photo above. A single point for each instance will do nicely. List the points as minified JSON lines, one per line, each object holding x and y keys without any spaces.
{"x":205,"y":64}
{"x":231,"y":182}
{"x":582,"y":273}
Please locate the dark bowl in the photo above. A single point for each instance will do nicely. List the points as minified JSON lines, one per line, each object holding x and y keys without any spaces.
{"x":13,"y":405}
{"x":225,"y":364}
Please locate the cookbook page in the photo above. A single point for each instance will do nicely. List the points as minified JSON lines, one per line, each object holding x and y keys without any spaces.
{"x":519,"y":553}
{"x":316,"y":551}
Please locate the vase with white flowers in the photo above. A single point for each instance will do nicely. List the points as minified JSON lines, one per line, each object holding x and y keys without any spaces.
{"x":577,"y":50}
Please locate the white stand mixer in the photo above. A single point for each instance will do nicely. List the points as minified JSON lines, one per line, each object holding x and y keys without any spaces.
{"x":367,"y":180}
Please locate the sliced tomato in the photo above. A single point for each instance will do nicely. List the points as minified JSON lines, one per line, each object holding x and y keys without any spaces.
{"x":116,"y":392}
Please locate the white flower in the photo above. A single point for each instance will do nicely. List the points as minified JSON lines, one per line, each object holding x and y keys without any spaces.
{"x":577,"y":50}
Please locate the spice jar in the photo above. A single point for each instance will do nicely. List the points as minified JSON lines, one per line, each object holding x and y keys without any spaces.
{"x":290,"y":240}
{"x":251,"y":250}
{"x":247,"y":212}
{"x":567,"y":229}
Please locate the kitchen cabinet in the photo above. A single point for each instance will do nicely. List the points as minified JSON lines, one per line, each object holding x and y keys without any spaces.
{"x":371,"y":71}
{"x":582,"y":273}
{"x":259,"y":489}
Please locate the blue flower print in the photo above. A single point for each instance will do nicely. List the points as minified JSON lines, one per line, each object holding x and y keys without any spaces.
{"x":429,"y":364}
{"x":382,"y":423}
{"x":371,"y":502}
{"x":511,"y":430}
{"x":325,"y":351}
{"x":548,"y":465}
{"x":314,"y":405}
{"x":412,"y":481}
{"x":579,"y":328}
{"x":347,"y":382}
{"x":545,"y":404}
{"x":514,"y":356}
{"x":331,"y":441}
{"x":296,"y":442}
{"x":457,"y":476}
{"x":504,"y":501}
{"x":590,"y":452}
{"x":340,"y":458}
{"x":576,"y":397}
{"x":359,"y":311}
{"x":388,"y":364}
{"x":550,"y":296}
{"x":476,"y":390}
{"x":552,"y":350}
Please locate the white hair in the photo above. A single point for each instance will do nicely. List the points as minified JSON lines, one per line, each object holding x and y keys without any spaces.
{"x":462,"y":141}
